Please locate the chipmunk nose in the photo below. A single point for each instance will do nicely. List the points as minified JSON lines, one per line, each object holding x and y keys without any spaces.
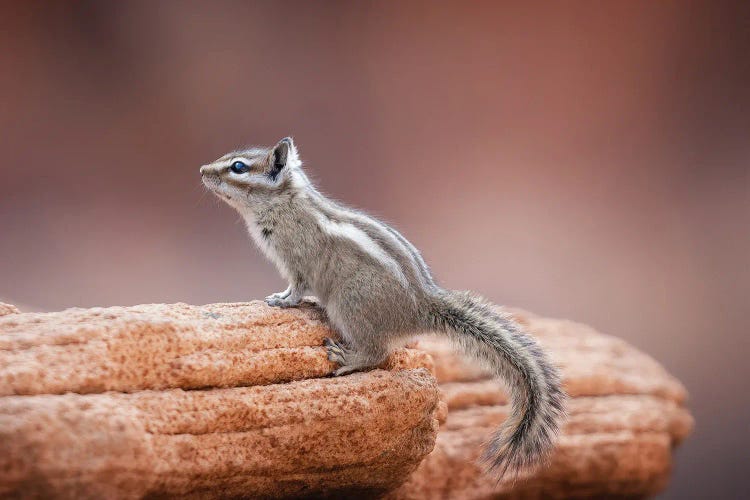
{"x":210,"y":170}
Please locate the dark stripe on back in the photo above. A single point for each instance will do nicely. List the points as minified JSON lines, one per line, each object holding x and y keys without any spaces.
{"x":375,"y":230}
{"x":406,"y":249}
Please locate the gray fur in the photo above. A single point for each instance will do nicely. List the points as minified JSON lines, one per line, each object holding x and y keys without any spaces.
{"x":378,"y":292}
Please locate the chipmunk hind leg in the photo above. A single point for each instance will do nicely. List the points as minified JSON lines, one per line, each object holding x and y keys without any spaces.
{"x":357,"y":351}
{"x":367,"y":334}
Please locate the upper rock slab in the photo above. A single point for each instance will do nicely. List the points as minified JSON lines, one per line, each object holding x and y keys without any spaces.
{"x":101,"y":403}
{"x":158,"y":346}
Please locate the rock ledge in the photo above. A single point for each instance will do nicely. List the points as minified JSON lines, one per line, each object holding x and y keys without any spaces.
{"x":214,"y":401}
{"x":236,"y":400}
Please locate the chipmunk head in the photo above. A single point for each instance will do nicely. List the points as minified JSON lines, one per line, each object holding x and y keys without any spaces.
{"x":252,"y":174}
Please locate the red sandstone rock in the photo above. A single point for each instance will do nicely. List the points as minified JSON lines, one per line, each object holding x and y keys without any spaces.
{"x":266,"y":422}
{"x":230,"y":400}
{"x":625,"y":416}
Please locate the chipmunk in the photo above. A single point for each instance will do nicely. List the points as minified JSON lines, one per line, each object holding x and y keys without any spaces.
{"x":378,"y":292}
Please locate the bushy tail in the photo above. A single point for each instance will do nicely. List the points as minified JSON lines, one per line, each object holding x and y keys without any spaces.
{"x":538,"y":402}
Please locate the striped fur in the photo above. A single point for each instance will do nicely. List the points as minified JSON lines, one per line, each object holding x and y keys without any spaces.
{"x":497,"y":342}
{"x":378,"y":292}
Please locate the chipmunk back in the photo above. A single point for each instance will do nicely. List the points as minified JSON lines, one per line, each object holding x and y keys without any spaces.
{"x":378,"y":292}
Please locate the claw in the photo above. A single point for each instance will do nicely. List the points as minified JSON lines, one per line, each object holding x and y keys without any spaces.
{"x":278,"y":302}
{"x":333,"y":351}
{"x":344,"y":370}
{"x":278,"y":295}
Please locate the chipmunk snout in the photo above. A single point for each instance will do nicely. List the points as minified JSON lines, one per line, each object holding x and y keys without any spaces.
{"x":210,"y":172}
{"x":210,"y":177}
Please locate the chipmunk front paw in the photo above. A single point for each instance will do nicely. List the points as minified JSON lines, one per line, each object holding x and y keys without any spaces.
{"x":282,"y":302}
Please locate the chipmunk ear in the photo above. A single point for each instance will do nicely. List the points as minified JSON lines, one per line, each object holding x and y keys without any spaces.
{"x":283,"y":152}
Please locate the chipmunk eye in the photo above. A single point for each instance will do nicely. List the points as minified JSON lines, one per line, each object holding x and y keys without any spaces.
{"x":239,"y":167}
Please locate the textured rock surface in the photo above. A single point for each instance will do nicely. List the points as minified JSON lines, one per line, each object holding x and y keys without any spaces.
{"x":235,"y":400}
{"x":626,"y":415}
{"x":6,"y":309}
{"x":94,"y":403}
{"x":158,"y":346}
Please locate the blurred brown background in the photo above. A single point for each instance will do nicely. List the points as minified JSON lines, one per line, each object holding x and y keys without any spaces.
{"x":586,"y":160}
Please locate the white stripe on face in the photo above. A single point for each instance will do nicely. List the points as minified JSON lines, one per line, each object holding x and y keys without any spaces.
{"x":364,"y":242}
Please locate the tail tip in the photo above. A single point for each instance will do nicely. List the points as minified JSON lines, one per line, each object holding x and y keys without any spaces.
{"x":508,"y":457}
